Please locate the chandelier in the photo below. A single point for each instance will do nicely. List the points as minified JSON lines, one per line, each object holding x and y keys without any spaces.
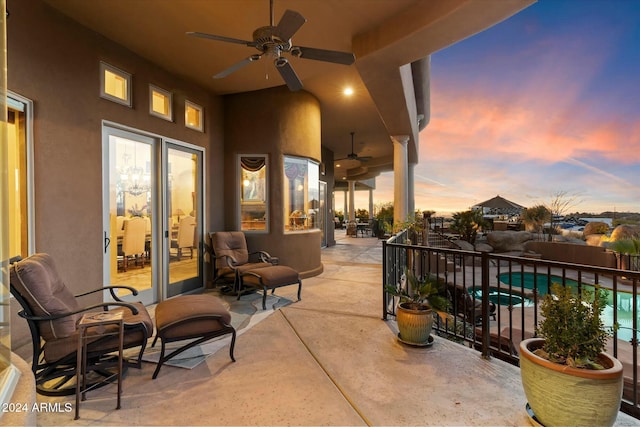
{"x":133,"y":178}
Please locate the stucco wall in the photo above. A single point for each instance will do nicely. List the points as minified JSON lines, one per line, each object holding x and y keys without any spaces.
{"x":55,"y":62}
{"x":276,"y":122}
{"x":329,"y":178}
{"x":578,"y":254}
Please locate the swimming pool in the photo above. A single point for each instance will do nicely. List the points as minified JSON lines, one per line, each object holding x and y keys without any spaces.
{"x":522,"y":285}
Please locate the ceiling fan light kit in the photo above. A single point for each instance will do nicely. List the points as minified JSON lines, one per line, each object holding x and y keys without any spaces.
{"x":273,"y":41}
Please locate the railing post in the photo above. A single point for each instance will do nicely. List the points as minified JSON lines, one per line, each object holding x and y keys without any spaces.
{"x":486,"y":338}
{"x":384,"y":278}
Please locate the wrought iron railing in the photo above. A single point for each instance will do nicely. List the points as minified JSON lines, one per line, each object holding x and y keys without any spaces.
{"x":495,"y":300}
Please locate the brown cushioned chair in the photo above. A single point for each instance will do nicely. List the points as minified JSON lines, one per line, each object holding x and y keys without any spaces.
{"x":53,"y":313}
{"x":231,"y":257}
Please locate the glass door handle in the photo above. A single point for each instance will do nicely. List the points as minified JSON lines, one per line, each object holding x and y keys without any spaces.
{"x":107,"y":242}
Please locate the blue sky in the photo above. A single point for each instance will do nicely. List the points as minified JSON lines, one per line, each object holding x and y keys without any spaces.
{"x":547,"y":101}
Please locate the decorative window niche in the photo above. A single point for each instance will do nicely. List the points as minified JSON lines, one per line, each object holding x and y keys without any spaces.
{"x":160,"y":102}
{"x":301,"y":194}
{"x":115,"y":84}
{"x":254,"y":212}
{"x":193,"y":116}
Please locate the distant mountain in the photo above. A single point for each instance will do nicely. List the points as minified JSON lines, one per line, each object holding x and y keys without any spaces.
{"x":617,"y":217}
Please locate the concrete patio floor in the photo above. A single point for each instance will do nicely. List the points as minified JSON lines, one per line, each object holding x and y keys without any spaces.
{"x":326,"y":360}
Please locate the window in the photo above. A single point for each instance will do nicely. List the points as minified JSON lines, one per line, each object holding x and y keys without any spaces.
{"x":160,"y":102}
{"x":301,"y":194}
{"x":115,"y":84}
{"x":19,"y":159}
{"x":16,"y":215}
{"x":253,"y":193}
{"x":193,"y":116}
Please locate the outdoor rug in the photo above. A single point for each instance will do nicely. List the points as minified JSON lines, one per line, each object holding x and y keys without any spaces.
{"x":245,"y":314}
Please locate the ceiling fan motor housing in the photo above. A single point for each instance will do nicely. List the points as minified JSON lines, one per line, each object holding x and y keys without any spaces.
{"x":267,"y":41}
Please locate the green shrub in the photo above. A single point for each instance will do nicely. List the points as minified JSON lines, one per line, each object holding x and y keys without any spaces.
{"x":572,"y":327}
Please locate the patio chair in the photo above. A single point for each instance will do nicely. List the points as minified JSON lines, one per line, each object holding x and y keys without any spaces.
{"x":352,"y":229}
{"x":53,"y":312}
{"x":231,"y":257}
{"x":499,"y":342}
{"x":466,"y":306}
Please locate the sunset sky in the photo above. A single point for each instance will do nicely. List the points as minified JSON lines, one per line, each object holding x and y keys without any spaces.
{"x":547,"y":101}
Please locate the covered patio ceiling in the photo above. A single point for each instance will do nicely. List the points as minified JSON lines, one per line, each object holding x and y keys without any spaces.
{"x":390,"y":97}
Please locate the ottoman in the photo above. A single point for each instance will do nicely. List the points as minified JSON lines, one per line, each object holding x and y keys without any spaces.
{"x":270,"y":277}
{"x":196,"y":317}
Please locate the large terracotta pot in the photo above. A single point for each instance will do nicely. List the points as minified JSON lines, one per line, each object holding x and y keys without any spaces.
{"x":414,"y":324}
{"x":560,"y":395}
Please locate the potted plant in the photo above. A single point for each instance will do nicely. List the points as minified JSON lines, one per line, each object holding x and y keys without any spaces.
{"x":419,"y":298}
{"x":567,"y":377}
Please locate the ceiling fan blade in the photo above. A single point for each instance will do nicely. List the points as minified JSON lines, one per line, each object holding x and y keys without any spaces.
{"x":288,"y":74}
{"x":344,"y":58}
{"x":220,"y":38}
{"x":290,"y":22}
{"x":236,"y":66}
{"x":363,"y":158}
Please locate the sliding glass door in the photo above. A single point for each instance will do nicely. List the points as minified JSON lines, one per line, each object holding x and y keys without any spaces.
{"x":152,"y":206}
{"x":130,"y":211}
{"x":183,"y":190}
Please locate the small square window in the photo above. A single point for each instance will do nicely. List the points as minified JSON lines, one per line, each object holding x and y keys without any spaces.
{"x":115,"y":84}
{"x":193,"y":116}
{"x":160,"y":102}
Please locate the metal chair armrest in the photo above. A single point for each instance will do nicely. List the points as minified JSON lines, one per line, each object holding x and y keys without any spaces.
{"x":131,"y":307}
{"x":111,"y":291}
{"x":231,"y":261}
{"x":263,"y":256}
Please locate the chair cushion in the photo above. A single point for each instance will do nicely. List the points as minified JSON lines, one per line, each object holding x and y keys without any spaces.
{"x":232,"y":243}
{"x":272,"y":276}
{"x":190,"y":316}
{"x":37,"y":280}
{"x":135,"y":335}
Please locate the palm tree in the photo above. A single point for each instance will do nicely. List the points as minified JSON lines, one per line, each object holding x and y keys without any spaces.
{"x":467,"y":224}
{"x":535,"y":217}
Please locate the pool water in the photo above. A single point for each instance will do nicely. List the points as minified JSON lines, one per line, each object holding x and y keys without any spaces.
{"x":522,"y":284}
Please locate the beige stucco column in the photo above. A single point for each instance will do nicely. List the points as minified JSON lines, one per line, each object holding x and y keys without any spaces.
{"x":400,"y":178}
{"x":352,"y":202}
{"x":370,"y":203}
{"x":346,"y":207}
{"x":411,"y":196}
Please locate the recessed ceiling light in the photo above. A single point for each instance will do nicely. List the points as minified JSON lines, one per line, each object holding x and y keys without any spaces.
{"x":338,"y":165}
{"x":348,"y":91}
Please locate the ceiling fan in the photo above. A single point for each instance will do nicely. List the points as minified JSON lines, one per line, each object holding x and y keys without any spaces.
{"x":353,"y":155}
{"x":272,"y":41}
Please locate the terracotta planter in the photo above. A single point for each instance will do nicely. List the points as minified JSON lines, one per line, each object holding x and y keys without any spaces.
{"x":414,"y":324}
{"x":566,"y":396}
